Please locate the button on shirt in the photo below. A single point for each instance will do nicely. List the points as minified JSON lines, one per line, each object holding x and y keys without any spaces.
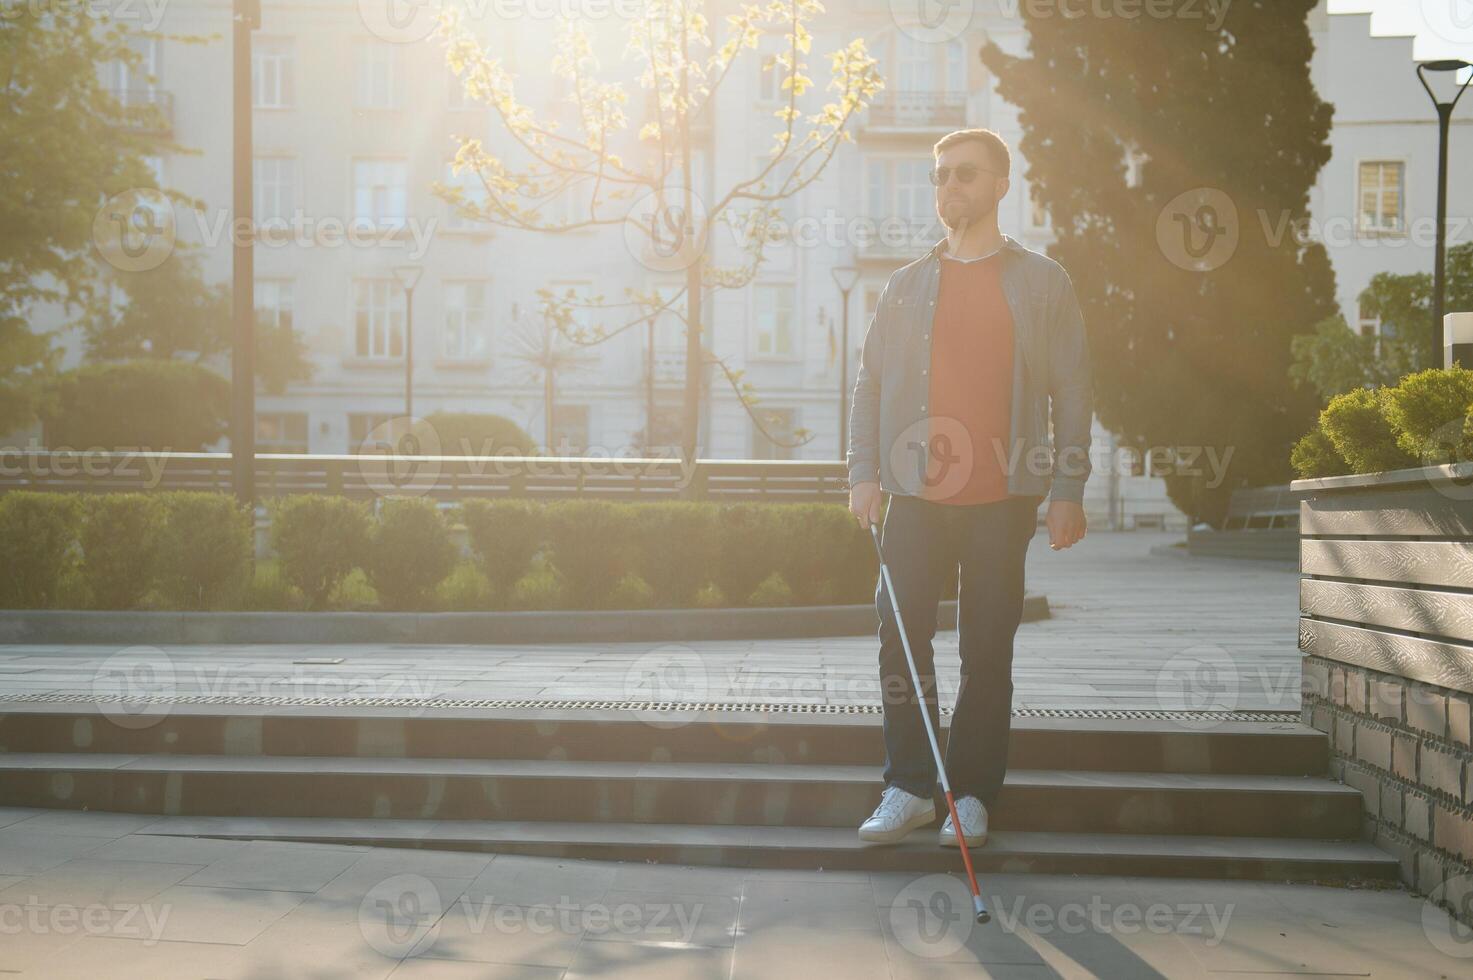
{"x":971,"y":384}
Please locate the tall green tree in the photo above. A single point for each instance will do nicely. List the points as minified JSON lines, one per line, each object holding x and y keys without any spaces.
{"x":1191,"y":342}
{"x":67,"y":144}
{"x":172,"y":312}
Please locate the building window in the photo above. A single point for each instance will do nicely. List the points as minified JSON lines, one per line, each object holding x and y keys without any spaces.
{"x":378,"y":318}
{"x":903,"y":201}
{"x":1368,"y":324}
{"x":275,"y":187}
{"x":273,"y":73}
{"x":780,"y":422}
{"x":1379,"y":190}
{"x":773,"y":320}
{"x":769,"y":82}
{"x":473,"y":193}
{"x":281,"y":432}
{"x":376,"y":432}
{"x":274,"y":303}
{"x":569,"y":430}
{"x":467,"y":325}
{"x":134,"y":84}
{"x":1037,"y":213}
{"x":377,"y":75}
{"x":380,"y":192}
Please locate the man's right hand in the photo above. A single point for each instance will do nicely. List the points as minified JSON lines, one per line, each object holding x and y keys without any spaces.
{"x":865,"y":502}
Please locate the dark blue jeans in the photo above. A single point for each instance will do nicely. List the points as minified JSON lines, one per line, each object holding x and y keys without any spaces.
{"x":924,"y":542}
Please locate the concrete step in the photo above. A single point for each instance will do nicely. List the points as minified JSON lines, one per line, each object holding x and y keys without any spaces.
{"x":1011,"y":851}
{"x":711,"y":794}
{"x":1286,"y":748}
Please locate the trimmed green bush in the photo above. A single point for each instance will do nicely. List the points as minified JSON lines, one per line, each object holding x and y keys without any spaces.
{"x":504,"y":536}
{"x":1357,"y":427}
{"x":164,"y":405}
{"x":206,"y":550}
{"x":465,"y":589}
{"x":1430,"y":412}
{"x":1314,"y":456}
{"x":590,"y":543}
{"x":807,"y":557}
{"x":674,"y":550}
{"x":773,"y":591}
{"x":40,"y":534}
{"x":631,"y":592}
{"x":409,"y":552}
{"x":747,"y":540}
{"x":120,"y":538}
{"x":319,"y":539}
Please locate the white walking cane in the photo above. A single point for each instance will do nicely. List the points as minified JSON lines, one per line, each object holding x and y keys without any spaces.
{"x":983,"y":915}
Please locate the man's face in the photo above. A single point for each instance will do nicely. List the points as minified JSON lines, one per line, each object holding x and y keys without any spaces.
{"x":959,"y":204}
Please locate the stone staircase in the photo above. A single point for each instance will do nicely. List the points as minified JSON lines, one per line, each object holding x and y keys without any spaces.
{"x":1112,"y":795}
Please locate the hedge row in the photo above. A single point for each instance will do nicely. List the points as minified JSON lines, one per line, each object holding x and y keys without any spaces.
{"x":1425,"y":419}
{"x":188,"y":550}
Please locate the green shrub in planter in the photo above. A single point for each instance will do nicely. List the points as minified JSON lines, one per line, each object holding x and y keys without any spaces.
{"x":806,"y":557}
{"x":206,"y":551}
{"x":319,"y":539}
{"x":747,"y":540}
{"x":590,"y":543}
{"x":40,"y":534}
{"x":409,"y":552}
{"x":538,"y":589}
{"x":504,"y":536}
{"x":1430,"y":412}
{"x":773,"y":591}
{"x":1314,"y":455}
{"x":269,"y":590}
{"x":675,"y":549}
{"x":120,"y":537}
{"x":1358,"y":428}
{"x":464,"y":590}
{"x":631,"y":592}
{"x":853,"y":567}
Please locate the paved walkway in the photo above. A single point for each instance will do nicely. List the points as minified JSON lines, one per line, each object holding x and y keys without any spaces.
{"x":82,"y":895}
{"x":1129,"y":630}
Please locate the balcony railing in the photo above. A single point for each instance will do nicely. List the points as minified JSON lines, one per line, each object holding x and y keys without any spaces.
{"x":157,"y":109}
{"x":918,"y":110}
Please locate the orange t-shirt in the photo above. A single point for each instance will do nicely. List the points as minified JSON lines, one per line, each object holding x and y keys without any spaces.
{"x":971,"y":389}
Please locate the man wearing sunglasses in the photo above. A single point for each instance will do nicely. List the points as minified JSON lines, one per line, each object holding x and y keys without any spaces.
{"x":970,"y":350}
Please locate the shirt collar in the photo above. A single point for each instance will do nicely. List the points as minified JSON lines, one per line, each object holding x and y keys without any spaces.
{"x":944,"y":245}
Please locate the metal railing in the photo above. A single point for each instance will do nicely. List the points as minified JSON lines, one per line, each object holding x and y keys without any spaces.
{"x":439,"y":477}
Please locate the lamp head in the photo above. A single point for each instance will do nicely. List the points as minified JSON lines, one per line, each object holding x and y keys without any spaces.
{"x":408,"y":275}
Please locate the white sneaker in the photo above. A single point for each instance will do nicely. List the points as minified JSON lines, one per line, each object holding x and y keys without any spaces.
{"x":898,"y":814}
{"x":974,"y":823}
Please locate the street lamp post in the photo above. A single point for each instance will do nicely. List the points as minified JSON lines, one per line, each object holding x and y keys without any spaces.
{"x":408,"y":276}
{"x":845,"y":277}
{"x":1444,"y":118}
{"x":245,"y":17}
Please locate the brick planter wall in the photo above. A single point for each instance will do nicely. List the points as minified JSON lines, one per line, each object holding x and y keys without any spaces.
{"x":1386,"y":628}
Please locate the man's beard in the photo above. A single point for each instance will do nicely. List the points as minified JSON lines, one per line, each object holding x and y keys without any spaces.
{"x":972,"y":214}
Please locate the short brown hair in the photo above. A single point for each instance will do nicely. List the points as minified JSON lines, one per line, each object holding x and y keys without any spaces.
{"x":996,"y":148}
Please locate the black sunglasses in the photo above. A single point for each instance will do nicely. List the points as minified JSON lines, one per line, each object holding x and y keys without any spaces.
{"x":966,"y":173}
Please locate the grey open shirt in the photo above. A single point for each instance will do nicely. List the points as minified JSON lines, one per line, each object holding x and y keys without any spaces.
{"x":888,"y":417}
